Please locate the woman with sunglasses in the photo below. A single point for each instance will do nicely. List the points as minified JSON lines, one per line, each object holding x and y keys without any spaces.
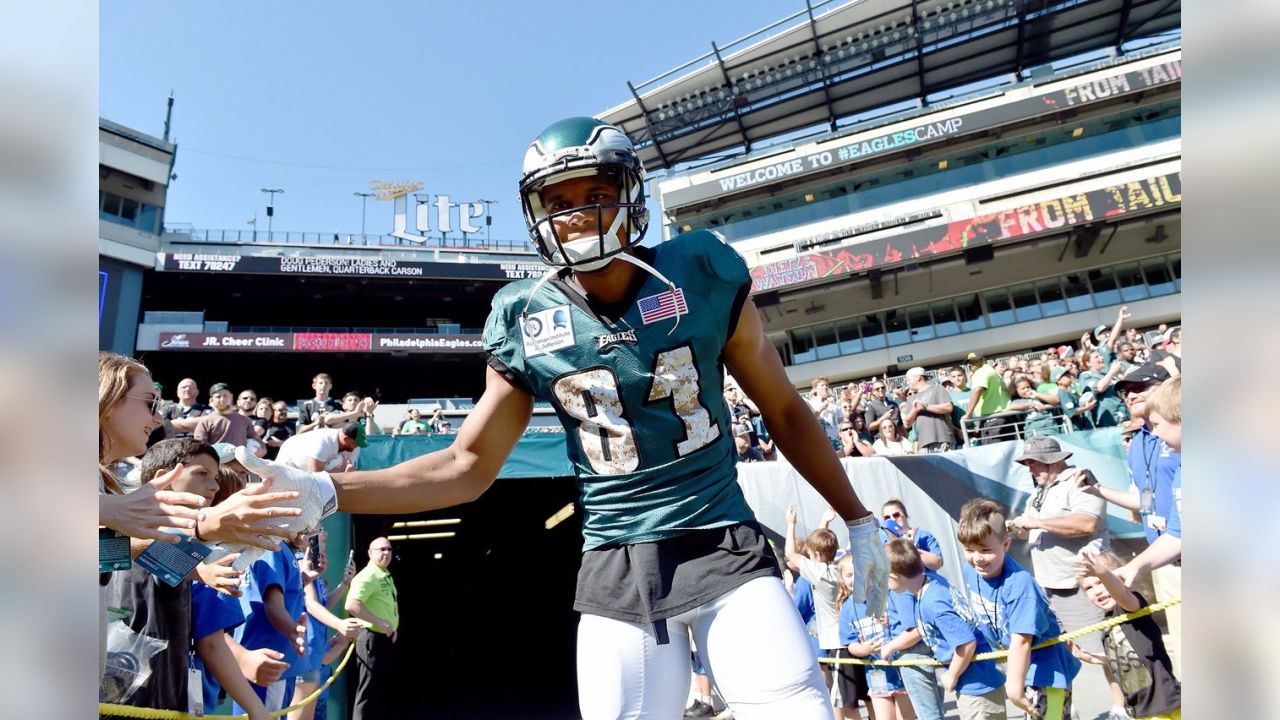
{"x":925,"y":542}
{"x":128,"y":411}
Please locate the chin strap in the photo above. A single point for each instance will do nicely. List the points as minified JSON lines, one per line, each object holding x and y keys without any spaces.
{"x":624,"y":256}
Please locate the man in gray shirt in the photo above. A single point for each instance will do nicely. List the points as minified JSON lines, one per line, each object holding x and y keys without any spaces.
{"x":1058,"y":521}
{"x":928,"y":410}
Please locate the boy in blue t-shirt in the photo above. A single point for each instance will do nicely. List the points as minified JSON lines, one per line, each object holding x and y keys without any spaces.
{"x":275,"y":619}
{"x":906,"y":643}
{"x":1013,"y":612}
{"x":950,"y":635}
{"x":212,"y":615}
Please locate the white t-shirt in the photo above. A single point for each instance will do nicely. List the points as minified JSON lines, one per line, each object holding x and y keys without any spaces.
{"x":825,"y":578}
{"x":321,"y":444}
{"x":897,"y":447}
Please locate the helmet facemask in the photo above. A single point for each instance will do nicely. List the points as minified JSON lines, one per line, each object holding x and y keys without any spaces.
{"x":618,"y":224}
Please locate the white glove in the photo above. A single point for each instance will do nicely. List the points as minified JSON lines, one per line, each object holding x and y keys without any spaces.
{"x":317,"y":498}
{"x":870,"y":565}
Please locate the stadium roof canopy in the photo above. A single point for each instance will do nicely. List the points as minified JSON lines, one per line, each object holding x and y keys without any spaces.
{"x":821,"y":65}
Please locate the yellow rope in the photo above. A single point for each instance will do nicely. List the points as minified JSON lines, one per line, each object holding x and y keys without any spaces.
{"x":137,"y":712}
{"x":1001,"y":654}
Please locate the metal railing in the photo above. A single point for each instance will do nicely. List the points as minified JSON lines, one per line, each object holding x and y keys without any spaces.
{"x":333,"y":239}
{"x":1014,"y":425}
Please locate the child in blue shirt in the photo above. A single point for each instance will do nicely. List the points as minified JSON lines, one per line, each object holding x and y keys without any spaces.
{"x":1013,"y":612}
{"x":906,"y":643}
{"x":862,"y":637}
{"x":949,"y":634}
{"x":212,"y":615}
{"x":274,"y":619}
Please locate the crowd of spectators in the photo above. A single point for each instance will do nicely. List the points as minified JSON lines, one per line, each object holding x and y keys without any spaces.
{"x":983,"y":400}
{"x":1073,"y":581}
{"x":266,"y":636}
{"x":184,"y":625}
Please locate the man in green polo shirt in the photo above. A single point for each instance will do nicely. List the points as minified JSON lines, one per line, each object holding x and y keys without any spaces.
{"x":988,"y":396}
{"x":372,"y":600}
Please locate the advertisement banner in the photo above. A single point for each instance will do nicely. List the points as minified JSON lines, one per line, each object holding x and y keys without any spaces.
{"x":868,"y":145}
{"x":1046,"y":216}
{"x":343,"y":266}
{"x":322,"y":342}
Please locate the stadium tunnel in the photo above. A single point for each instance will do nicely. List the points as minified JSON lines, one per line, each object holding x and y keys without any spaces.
{"x":487,"y":626}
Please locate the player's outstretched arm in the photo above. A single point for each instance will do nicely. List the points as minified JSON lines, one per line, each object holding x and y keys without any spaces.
{"x":452,"y":476}
{"x":455,"y":475}
{"x":755,"y":364}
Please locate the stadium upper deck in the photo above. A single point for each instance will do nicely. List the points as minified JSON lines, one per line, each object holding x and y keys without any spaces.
{"x":1017,"y":186}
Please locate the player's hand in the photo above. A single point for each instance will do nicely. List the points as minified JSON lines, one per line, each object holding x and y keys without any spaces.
{"x":221,"y":576}
{"x":870,"y":565}
{"x":141,"y":513}
{"x":316,"y":496}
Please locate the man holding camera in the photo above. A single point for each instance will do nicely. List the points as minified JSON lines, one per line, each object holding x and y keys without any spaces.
{"x":1059,"y":520}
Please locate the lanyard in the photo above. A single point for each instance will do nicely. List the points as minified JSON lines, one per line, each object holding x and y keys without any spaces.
{"x":1149,"y":458}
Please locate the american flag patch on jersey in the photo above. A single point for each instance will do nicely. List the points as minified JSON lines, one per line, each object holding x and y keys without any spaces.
{"x":662,"y":306}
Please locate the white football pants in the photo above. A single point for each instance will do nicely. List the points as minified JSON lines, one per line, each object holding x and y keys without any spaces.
{"x":750,"y":640}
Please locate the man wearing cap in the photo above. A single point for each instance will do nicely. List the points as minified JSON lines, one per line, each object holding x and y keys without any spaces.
{"x":1058,"y":521}
{"x":929,"y":412}
{"x":747,"y":451}
{"x":988,"y":396}
{"x":328,"y":449}
{"x":1152,"y":465}
{"x":1106,"y":338}
{"x":225,"y":424}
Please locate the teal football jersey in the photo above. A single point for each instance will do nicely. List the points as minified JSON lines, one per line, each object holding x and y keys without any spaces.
{"x":640,"y":395}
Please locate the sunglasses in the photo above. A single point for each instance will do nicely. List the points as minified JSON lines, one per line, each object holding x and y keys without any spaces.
{"x":153,"y":400}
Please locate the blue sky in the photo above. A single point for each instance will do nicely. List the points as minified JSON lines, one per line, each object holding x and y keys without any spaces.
{"x":322,"y":98}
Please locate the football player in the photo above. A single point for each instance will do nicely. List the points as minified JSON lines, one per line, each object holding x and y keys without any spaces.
{"x":630,"y":343}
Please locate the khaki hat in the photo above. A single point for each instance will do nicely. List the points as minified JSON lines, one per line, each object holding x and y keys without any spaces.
{"x":1042,"y":448}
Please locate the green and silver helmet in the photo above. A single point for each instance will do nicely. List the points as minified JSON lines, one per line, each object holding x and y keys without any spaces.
{"x":583,"y":147}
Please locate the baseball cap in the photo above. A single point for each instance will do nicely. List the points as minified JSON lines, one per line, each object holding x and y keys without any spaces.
{"x":355,"y":431}
{"x":915,"y":371}
{"x":218,"y":387}
{"x":1145,"y":373}
{"x":1058,"y":372}
{"x":226,"y":452}
{"x":1167,"y":336}
{"x":741,"y":429}
{"x":1098,"y":331}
